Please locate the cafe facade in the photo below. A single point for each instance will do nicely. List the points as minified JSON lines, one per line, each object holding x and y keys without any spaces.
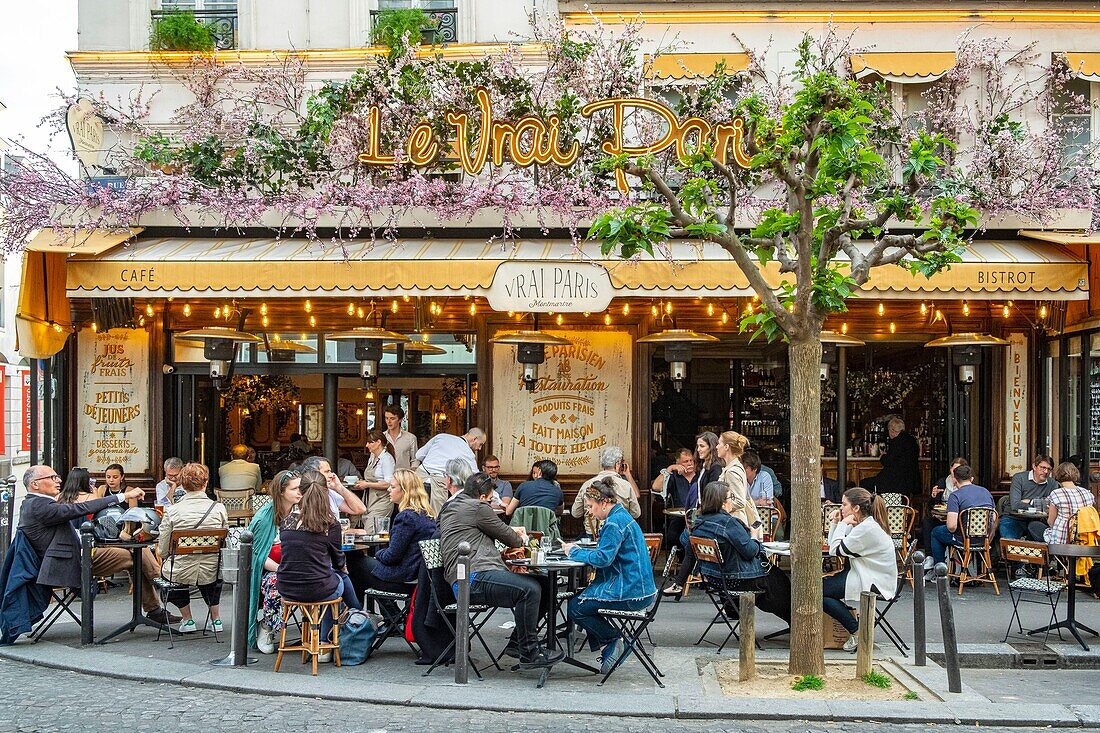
{"x":106,"y":315}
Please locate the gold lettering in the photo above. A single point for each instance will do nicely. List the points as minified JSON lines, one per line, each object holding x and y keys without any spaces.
{"x":422,"y":148}
{"x":371,"y":156}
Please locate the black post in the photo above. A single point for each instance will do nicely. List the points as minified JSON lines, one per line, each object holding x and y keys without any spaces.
{"x":947,"y":622}
{"x":462,"y":616}
{"x":242,"y":589}
{"x":842,"y":417}
{"x":329,"y":448}
{"x":919,"y":630}
{"x":87,"y":586}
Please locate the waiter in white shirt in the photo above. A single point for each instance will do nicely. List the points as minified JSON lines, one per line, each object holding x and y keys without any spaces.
{"x":403,"y":442}
{"x":438,"y":451}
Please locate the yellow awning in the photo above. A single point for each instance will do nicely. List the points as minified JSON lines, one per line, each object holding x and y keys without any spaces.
{"x":43,"y":320}
{"x":1061,"y":237}
{"x":693,"y":65}
{"x":1085,"y":65}
{"x":80,"y":241}
{"x":903,"y":67}
{"x":296,"y":267}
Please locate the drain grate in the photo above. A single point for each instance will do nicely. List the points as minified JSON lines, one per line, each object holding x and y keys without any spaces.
{"x":1036,"y":656}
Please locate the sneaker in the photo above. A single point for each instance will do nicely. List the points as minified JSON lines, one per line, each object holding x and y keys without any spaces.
{"x":324,"y":657}
{"x":214,"y":625}
{"x":189,"y":626}
{"x":850,"y":645}
{"x":265,"y":640}
{"x":610,"y":656}
{"x":929,"y":563}
{"x":543,"y":659}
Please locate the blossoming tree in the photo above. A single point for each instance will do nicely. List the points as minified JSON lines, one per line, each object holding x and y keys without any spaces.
{"x":811,"y":171}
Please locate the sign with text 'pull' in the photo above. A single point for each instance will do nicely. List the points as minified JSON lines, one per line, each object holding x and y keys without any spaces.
{"x":550,"y":287}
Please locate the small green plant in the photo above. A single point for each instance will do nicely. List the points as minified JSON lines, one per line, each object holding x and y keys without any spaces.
{"x":180,"y":32}
{"x":912,"y":696}
{"x":876,"y":679}
{"x":808,"y":682}
{"x":390,"y":27}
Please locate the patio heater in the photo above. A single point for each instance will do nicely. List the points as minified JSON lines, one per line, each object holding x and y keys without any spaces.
{"x":220,"y":349}
{"x":530,"y":351}
{"x":678,"y":343}
{"x":966,"y":352}
{"x":369,"y":341}
{"x":412,"y":352}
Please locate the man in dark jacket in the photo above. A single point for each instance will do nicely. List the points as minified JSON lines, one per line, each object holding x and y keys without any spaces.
{"x":467,"y":517}
{"x":47,"y":525}
{"x":901,"y":465}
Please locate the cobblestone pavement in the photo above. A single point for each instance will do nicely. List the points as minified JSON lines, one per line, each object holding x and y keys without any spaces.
{"x":43,"y":700}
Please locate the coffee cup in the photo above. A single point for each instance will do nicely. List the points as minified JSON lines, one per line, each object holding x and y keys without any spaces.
{"x":350,"y":480}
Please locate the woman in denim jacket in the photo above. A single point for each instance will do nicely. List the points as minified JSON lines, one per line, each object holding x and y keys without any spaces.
{"x":744,"y":565}
{"x":624,"y":576}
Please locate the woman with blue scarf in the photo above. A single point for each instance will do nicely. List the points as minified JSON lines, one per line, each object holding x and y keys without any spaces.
{"x":624,"y":576}
{"x":265,"y":604}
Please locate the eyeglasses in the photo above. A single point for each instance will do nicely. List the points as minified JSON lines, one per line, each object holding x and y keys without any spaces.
{"x":52,"y":477}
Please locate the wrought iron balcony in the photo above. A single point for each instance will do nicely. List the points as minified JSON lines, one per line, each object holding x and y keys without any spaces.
{"x":223,"y":24}
{"x":442,"y":24}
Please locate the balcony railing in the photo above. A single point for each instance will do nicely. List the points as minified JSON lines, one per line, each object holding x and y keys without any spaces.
{"x":442,"y":26}
{"x":223,"y":23}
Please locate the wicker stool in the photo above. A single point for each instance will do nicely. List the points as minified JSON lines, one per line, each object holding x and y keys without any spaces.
{"x":310,"y":644}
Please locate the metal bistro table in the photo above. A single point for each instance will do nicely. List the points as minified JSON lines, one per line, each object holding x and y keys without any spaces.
{"x":552,"y":567}
{"x":1071,"y":552}
{"x":137,"y":618}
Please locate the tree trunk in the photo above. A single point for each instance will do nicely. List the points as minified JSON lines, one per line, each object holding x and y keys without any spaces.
{"x":807,"y":652}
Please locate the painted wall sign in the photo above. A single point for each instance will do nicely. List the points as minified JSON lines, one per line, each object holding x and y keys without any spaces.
{"x":1016,"y":449}
{"x":85,"y":132}
{"x":25,"y":446}
{"x":580,"y":405}
{"x":112,"y":423}
{"x":533,"y":140}
{"x":550,"y":287}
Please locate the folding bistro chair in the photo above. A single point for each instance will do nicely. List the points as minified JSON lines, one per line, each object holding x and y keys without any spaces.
{"x":188,"y":542}
{"x":63,"y":600}
{"x":883,"y":606}
{"x":432,"y":552}
{"x":632,"y":624}
{"x":977,"y":525}
{"x":720,"y":594}
{"x":394,"y":609}
{"x":1049,"y":588}
{"x":237,"y":503}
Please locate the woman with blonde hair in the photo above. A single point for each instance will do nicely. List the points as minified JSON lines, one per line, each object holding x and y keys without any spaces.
{"x":731,"y":446}
{"x":858,"y":531}
{"x":399,"y":563}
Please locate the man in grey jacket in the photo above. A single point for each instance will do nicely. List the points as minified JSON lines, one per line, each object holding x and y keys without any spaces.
{"x":467,"y":517}
{"x":1029,"y":491}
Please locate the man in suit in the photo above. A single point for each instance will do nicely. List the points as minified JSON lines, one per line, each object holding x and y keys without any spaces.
{"x":901,"y":465}
{"x":48,"y":527}
{"x":239,"y":473}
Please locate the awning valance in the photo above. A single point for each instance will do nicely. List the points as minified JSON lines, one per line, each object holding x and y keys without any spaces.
{"x":693,"y":65}
{"x":903,"y":67}
{"x":297,"y":267}
{"x":1085,"y":65}
{"x":43,"y":320}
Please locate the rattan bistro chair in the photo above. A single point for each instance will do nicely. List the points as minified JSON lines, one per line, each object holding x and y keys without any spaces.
{"x":237,"y":503}
{"x":1025,"y":590}
{"x":188,"y":542}
{"x":900,"y":518}
{"x":977,"y":525}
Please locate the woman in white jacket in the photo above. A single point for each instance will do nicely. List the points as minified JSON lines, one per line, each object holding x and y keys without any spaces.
{"x":859,"y":533}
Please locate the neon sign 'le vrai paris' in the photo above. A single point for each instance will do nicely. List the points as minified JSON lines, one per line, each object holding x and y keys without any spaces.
{"x":533,"y":140}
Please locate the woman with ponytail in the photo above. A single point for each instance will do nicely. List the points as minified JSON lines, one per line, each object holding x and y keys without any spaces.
{"x":859,"y":533}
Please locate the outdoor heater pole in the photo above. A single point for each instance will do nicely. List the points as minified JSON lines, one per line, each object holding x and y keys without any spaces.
{"x":328,"y":435}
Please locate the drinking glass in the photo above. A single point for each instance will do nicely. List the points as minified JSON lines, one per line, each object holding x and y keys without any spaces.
{"x":383,"y":524}
{"x":370,"y":526}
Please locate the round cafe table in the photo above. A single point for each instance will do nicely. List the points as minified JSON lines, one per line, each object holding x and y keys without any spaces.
{"x":1071,"y":553}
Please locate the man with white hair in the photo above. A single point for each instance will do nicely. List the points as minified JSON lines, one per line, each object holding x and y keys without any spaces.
{"x":456,"y":473}
{"x":167,"y":487}
{"x":900,"y":464}
{"x":444,"y":447}
{"x":614,"y":467}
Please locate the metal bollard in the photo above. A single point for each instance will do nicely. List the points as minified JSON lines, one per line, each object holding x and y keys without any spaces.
{"x":87,"y":586}
{"x":462,"y":616}
{"x":920,"y":633}
{"x":238,"y":655}
{"x":947,"y":622}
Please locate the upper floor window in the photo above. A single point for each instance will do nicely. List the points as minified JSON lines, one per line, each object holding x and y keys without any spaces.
{"x":218,"y":15}
{"x":1073,"y":115}
{"x":442,"y":17}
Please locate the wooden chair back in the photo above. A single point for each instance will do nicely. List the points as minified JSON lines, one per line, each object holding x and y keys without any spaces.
{"x":1025,"y":551}
{"x":706,"y":550}
{"x":653,"y":544}
{"x":237,"y":503}
{"x":197,"y":542}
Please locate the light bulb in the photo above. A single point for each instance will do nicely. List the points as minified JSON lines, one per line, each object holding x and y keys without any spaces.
{"x":710,"y":309}
{"x":511,"y":313}
{"x":653,"y":310}
{"x":844,"y":327}
{"x":301,"y":337}
{"x":893,"y":328}
{"x":393,"y":307}
{"x":939,"y":315}
{"x":560,"y":319}
{"x":264,"y":321}
{"x":312,"y":321}
{"x":587,"y":314}
{"x":924,"y":309}
{"x":1004,"y":311}
{"x":966,"y":308}
{"x":276,"y":339}
{"x":351,"y":309}
{"x":370,"y":395}
{"x":607,"y":319}
{"x":263,"y":309}
{"x":187,"y":310}
{"x":473,"y":309}
{"x":309,"y":306}
{"x":626,"y":309}
{"x":359,"y":312}
{"x":1042,"y":311}
{"x":668,"y":306}
{"x":141,"y":322}
{"x":149,"y":310}
{"x":725,"y":317}
{"x":218,"y":312}
{"x":95,"y":327}
{"x":881,"y":308}
{"x":405,"y":298}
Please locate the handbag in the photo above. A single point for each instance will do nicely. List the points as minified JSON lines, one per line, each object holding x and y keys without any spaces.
{"x":514,"y":553}
{"x":357,"y":638}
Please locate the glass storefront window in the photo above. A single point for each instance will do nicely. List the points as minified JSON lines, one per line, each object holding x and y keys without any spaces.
{"x":1052,"y":379}
{"x":454,"y":346}
{"x":1073,"y":389}
{"x":299,"y":357}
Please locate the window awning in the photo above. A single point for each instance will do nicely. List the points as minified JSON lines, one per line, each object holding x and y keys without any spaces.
{"x":43,"y":320}
{"x":219,"y":268}
{"x":693,"y":65}
{"x":80,"y":241}
{"x":1085,"y":65}
{"x":1061,"y":237}
{"x":903,"y":67}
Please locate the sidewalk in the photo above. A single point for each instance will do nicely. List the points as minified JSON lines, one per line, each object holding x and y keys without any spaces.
{"x":691,"y":689}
